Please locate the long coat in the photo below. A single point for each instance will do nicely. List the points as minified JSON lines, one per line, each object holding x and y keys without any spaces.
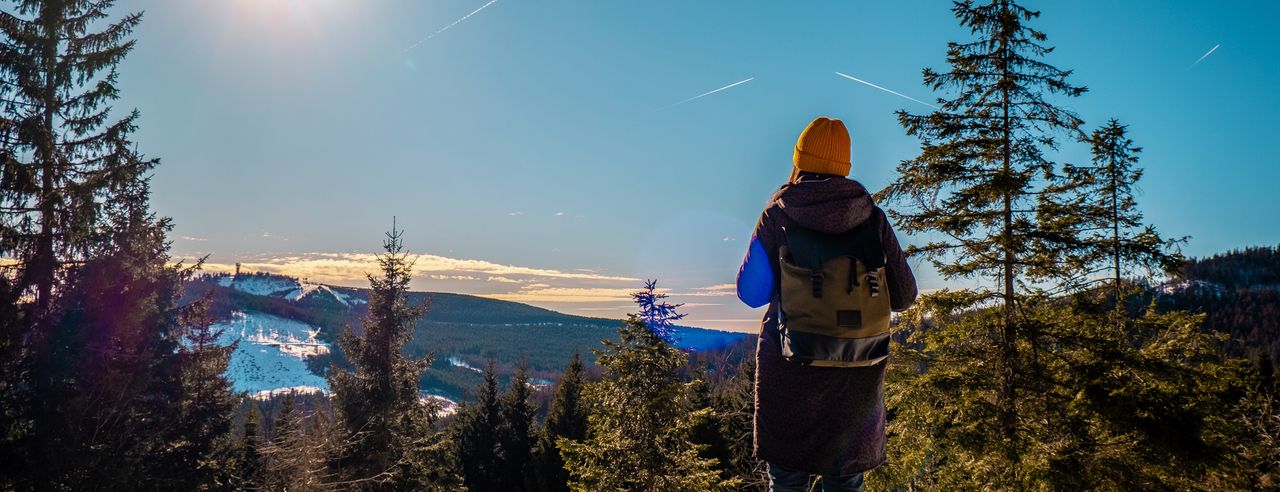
{"x":822,"y":420}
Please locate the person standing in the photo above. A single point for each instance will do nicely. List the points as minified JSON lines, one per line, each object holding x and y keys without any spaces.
{"x":825,"y":260}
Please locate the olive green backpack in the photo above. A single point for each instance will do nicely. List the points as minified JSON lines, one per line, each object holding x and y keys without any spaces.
{"x":833,"y":311}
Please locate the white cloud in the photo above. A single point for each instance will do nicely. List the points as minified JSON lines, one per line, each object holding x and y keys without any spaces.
{"x":346,"y":268}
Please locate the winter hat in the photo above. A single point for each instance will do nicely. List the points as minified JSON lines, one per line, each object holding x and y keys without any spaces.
{"x":823,"y":148}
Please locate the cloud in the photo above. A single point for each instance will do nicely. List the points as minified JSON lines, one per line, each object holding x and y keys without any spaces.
{"x":193,"y":238}
{"x":559,"y":214}
{"x":350,"y":268}
{"x":516,"y":214}
{"x":568,"y":295}
{"x":717,"y":290}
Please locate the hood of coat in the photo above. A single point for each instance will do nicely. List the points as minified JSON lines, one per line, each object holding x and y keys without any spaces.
{"x":830,"y":205}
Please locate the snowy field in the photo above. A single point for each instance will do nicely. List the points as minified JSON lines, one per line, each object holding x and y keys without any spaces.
{"x":271,"y":352}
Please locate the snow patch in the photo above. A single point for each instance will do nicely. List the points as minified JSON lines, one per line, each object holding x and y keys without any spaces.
{"x":446,"y":406}
{"x":458,"y":362}
{"x":268,"y":394}
{"x":271,"y":353}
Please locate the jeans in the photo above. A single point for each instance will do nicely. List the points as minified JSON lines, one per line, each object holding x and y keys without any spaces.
{"x":784,"y":480}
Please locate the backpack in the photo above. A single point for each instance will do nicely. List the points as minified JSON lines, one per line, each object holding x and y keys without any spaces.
{"x":832,"y":311}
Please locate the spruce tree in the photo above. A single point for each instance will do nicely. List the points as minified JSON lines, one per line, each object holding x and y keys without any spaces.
{"x":1095,"y":206}
{"x":114,"y":395}
{"x":638,"y":431}
{"x":63,"y":154}
{"x":203,"y":424}
{"x":567,"y":418}
{"x":1030,"y":384}
{"x":378,"y":404}
{"x":516,"y":433}
{"x":477,"y":440}
{"x":734,"y":404}
{"x":99,"y":398}
{"x":975,"y":187}
{"x":297,"y":455}
{"x":247,"y":465}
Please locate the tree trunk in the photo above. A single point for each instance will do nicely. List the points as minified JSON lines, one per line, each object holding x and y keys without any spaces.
{"x":1009,"y":349}
{"x":47,"y":158}
{"x":1115,"y":223}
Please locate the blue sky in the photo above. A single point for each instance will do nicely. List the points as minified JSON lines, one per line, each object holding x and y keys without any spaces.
{"x":532,"y":152}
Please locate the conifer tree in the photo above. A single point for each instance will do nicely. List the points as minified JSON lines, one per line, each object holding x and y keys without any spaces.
{"x":516,"y":433}
{"x":734,"y":405}
{"x":95,"y":302}
{"x":64,"y":157}
{"x":1095,"y":206}
{"x":638,"y":435}
{"x":297,"y":455}
{"x":567,"y":418}
{"x":378,"y":404}
{"x":247,"y":466}
{"x":1020,"y":386}
{"x":118,"y":395}
{"x":478,"y":443}
{"x":981,"y":172}
{"x":205,"y":409}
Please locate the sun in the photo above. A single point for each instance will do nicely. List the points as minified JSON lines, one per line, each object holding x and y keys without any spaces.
{"x":289,"y":16}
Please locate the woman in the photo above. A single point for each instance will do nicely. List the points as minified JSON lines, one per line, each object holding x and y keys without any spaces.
{"x":827,"y":421}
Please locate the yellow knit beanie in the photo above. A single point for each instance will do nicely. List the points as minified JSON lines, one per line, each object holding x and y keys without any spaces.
{"x":823,"y":148}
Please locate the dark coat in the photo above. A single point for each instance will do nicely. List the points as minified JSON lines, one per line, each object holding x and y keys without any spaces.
{"x":822,"y":420}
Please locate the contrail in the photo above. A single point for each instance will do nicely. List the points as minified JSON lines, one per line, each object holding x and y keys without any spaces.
{"x":899,"y":94}
{"x":446,"y":28}
{"x":1206,"y":55}
{"x":708,"y":93}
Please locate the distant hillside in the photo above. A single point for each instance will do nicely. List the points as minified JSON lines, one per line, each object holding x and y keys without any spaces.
{"x":1252,"y":267}
{"x":1239,"y":292}
{"x":463,"y":331}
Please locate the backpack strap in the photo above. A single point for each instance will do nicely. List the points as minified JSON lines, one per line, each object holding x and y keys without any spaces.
{"x":810,"y":249}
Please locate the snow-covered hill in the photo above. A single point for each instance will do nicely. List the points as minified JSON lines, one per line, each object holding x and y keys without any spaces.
{"x":282,"y":323}
{"x":285,"y":288}
{"x":270,"y":353}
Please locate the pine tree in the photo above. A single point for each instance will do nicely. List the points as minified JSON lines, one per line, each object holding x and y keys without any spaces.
{"x":1095,"y":206}
{"x":567,"y":418}
{"x":516,"y":433}
{"x":63,"y":156}
{"x":1031,"y":385}
{"x":378,"y":404}
{"x":734,"y":404}
{"x":113,"y":402}
{"x":90,"y":326}
{"x":205,"y":409}
{"x":477,"y":439}
{"x":976,"y":185}
{"x":639,"y":427}
{"x":247,"y":467}
{"x":297,"y":455}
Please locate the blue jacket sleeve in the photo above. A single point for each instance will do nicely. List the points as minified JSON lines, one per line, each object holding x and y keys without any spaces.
{"x":755,"y":278}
